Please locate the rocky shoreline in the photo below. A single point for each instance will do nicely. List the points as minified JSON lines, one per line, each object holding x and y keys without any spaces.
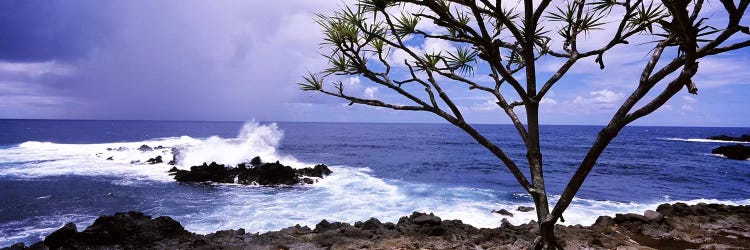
{"x":671,"y":226}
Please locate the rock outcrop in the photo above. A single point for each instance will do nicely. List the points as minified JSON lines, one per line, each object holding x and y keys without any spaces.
{"x":155,"y":160}
{"x":671,"y":226}
{"x":734,"y":152}
{"x":265,"y":174}
{"x":145,"y":148}
{"x":743,"y":138}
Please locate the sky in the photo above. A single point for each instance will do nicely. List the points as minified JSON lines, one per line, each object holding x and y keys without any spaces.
{"x":242,"y":60}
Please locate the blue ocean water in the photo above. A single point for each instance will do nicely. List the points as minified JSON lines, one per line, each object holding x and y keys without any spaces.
{"x":53,"y":172}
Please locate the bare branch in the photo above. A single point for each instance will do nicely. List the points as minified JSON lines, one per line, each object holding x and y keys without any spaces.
{"x":374,"y":103}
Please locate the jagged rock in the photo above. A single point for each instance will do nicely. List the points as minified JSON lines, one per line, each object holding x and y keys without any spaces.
{"x":110,"y":158}
{"x":503,"y":212}
{"x":58,"y":238}
{"x":159,"y":147}
{"x":155,"y":160}
{"x":372,"y":224}
{"x":524,"y":209}
{"x":269,"y":174}
{"x":320,"y":170}
{"x":621,"y":218}
{"x":131,"y":230}
{"x":144,"y":148}
{"x":428,"y":219}
{"x":117,"y":149}
{"x":743,"y":138}
{"x":173,"y":170}
{"x":735,"y":152}
{"x":17,"y":246}
{"x":701,"y":226}
{"x":256,"y":161}
{"x":664,"y":209}
{"x":654,"y":216}
{"x":207,"y":172}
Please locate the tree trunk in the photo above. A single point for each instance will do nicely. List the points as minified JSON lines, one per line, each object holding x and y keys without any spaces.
{"x":547,"y":238}
{"x":538,"y":193}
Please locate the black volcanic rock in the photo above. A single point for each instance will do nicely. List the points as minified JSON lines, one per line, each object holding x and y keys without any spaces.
{"x":145,"y":148}
{"x":155,"y":160}
{"x":131,"y":230}
{"x":743,"y":138}
{"x":524,"y":209}
{"x":269,"y":174}
{"x":320,"y":170}
{"x":735,"y":152}
{"x":58,"y":238}
{"x":207,"y":172}
{"x":701,"y":226}
{"x":256,"y":161}
{"x":266,"y":174}
{"x":503,"y":212}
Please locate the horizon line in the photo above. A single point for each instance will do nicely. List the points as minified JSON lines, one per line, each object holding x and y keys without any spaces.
{"x":280,"y":121}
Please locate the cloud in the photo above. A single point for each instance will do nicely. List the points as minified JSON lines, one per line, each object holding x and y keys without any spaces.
{"x":34,"y":69}
{"x":687,"y":107}
{"x":232,"y":60}
{"x":606,"y":96}
{"x":547,"y":101}
{"x":370,"y":92}
{"x":689,"y":99}
{"x":487,"y":105}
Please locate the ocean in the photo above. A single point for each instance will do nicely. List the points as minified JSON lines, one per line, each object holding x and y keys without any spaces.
{"x":55,"y":171}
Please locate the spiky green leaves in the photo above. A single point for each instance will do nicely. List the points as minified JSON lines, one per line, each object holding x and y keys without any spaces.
{"x":603,"y":6}
{"x":376,"y":5}
{"x":576,"y":21}
{"x":646,"y":16}
{"x":338,"y":29}
{"x":429,"y":61}
{"x":406,"y":24}
{"x":311,"y":82}
{"x":461,"y":60}
{"x":340,"y":64}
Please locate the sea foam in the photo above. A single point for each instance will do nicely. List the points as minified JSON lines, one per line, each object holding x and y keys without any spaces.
{"x":351,"y":193}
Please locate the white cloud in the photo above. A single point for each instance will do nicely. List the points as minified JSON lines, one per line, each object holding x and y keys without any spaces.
{"x":548,"y":101}
{"x":689,"y":99}
{"x":687,"y":107}
{"x":487,"y":105}
{"x":606,"y":96}
{"x":370,"y":92}
{"x":35,"y":69}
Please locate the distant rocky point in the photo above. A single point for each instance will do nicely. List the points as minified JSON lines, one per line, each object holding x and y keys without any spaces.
{"x":671,"y":226}
{"x":734,"y":152}
{"x":743,"y":138}
{"x":254,"y":173}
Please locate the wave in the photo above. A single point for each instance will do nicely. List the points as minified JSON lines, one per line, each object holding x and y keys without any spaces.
{"x":34,"y":159}
{"x":350,"y":194}
{"x":701,"y":140}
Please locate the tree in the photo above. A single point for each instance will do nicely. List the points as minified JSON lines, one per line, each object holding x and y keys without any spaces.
{"x":507,"y":42}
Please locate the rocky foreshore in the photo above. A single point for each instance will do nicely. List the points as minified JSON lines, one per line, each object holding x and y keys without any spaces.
{"x":671,"y":226}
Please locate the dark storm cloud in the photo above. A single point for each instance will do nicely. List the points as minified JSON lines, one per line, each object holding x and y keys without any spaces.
{"x":51,"y":30}
{"x":228,"y":60}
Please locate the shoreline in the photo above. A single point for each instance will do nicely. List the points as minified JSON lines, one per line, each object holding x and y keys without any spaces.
{"x":671,"y":226}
